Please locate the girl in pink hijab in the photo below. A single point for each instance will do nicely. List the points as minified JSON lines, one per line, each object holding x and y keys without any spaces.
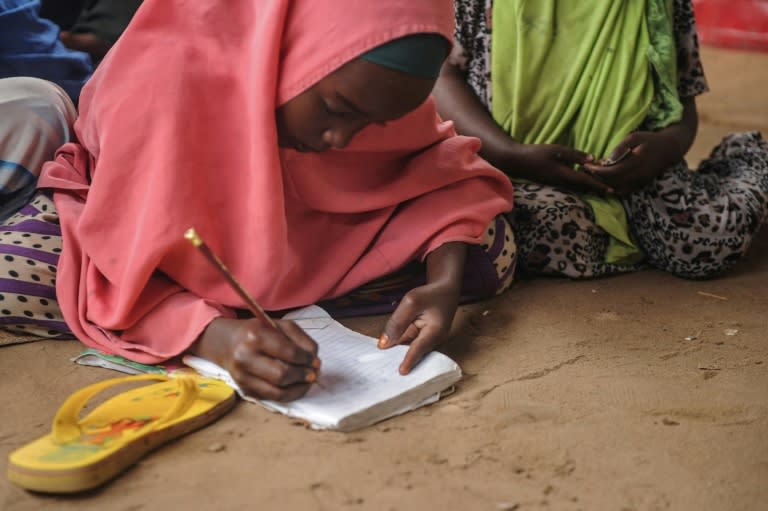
{"x":299,"y":139}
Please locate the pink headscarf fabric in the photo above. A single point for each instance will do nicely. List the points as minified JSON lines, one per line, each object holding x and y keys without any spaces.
{"x":177,"y":129}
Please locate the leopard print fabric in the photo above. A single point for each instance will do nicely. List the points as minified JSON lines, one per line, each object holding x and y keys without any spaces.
{"x":699,"y":224}
{"x":694,"y":224}
{"x":472,"y":45}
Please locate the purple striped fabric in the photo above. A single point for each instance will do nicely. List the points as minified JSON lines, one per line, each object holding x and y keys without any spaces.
{"x":27,"y":288}
{"x":33,"y":226}
{"x":29,"y":254}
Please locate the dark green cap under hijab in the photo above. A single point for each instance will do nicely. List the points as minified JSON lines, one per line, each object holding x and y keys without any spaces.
{"x":417,"y":54}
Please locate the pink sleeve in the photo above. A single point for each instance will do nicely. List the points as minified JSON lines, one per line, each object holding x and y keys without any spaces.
{"x":165,"y":331}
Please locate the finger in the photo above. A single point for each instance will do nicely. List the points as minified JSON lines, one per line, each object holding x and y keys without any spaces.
{"x":260,"y":389}
{"x":572,"y":156}
{"x":273,"y":371}
{"x":613,"y":175}
{"x":277,"y":344}
{"x":587,"y":180}
{"x":409,"y":335}
{"x":599,"y":173}
{"x":406,"y":312}
{"x":301,"y":338}
{"x":622,"y":150}
{"x":428,"y":338}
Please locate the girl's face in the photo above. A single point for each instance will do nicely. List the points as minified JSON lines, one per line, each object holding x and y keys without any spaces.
{"x":331,"y":112}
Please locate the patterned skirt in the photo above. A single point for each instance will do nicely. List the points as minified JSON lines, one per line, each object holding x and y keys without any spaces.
{"x":693,"y":223}
{"x":30,"y":244}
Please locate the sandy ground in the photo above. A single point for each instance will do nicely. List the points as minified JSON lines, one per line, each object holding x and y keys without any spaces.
{"x":634,"y":393}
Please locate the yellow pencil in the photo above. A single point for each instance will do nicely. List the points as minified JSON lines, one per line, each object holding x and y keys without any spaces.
{"x":253,"y":306}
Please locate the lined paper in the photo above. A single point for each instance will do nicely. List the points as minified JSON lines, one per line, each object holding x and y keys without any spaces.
{"x":356,"y":378}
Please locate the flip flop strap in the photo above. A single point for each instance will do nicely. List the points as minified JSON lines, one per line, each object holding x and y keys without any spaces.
{"x":67,"y":424}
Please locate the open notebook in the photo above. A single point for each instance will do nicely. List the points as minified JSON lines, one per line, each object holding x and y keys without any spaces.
{"x":359,"y":383}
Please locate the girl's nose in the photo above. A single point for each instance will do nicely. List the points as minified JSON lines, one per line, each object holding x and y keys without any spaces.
{"x":339,"y":137}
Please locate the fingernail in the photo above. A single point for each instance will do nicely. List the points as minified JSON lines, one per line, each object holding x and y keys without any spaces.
{"x":310,"y":377}
{"x":590,"y":157}
{"x":316,"y":363}
{"x":383,"y":341}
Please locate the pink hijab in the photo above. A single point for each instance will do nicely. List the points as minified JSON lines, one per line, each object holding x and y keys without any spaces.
{"x":177,"y":129}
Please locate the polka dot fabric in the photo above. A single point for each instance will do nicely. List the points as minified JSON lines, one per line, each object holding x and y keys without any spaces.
{"x":30,"y":244}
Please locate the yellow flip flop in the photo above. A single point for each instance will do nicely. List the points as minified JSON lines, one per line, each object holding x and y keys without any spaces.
{"x":82,"y":453}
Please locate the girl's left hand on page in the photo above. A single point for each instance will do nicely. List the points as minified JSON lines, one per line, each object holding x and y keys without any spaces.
{"x":422,"y":319}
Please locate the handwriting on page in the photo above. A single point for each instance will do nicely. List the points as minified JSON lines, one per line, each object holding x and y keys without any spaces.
{"x":350,"y":362}
{"x":359,"y":383}
{"x":354,"y":370}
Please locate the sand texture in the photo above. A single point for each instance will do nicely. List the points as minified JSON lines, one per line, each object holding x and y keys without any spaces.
{"x":641,"y":392}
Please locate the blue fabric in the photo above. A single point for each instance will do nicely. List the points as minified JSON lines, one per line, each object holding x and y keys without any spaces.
{"x":30,"y":46}
{"x":17,"y":185}
{"x":418,"y":54}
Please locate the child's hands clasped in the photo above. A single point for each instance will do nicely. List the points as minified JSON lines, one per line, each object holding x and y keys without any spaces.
{"x":651,"y":153}
{"x":279,"y":365}
{"x":553,"y":165}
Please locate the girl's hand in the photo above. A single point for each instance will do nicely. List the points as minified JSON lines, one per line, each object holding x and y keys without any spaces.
{"x":279,"y":365}
{"x":422,"y":319}
{"x":553,"y":165}
{"x":650,"y":154}
{"x":424,"y":316}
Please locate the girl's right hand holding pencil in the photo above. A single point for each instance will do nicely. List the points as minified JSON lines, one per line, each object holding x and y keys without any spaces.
{"x":276,"y":364}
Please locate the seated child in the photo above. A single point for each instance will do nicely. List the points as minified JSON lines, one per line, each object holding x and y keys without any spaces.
{"x":607,"y":88}
{"x":298,"y":138}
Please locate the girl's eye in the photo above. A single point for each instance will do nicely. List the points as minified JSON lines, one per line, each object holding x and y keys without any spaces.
{"x":336,"y":113}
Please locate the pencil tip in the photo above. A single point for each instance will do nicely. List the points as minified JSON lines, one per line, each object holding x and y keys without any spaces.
{"x":193,"y":237}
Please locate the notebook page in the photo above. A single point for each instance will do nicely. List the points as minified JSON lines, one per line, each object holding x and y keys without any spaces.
{"x":355,"y":374}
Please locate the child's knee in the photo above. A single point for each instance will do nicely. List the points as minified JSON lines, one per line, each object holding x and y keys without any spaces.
{"x":34,"y":104}
{"x":704,"y":263}
{"x":557,"y":223}
{"x":36,"y":118}
{"x":28,"y":266}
